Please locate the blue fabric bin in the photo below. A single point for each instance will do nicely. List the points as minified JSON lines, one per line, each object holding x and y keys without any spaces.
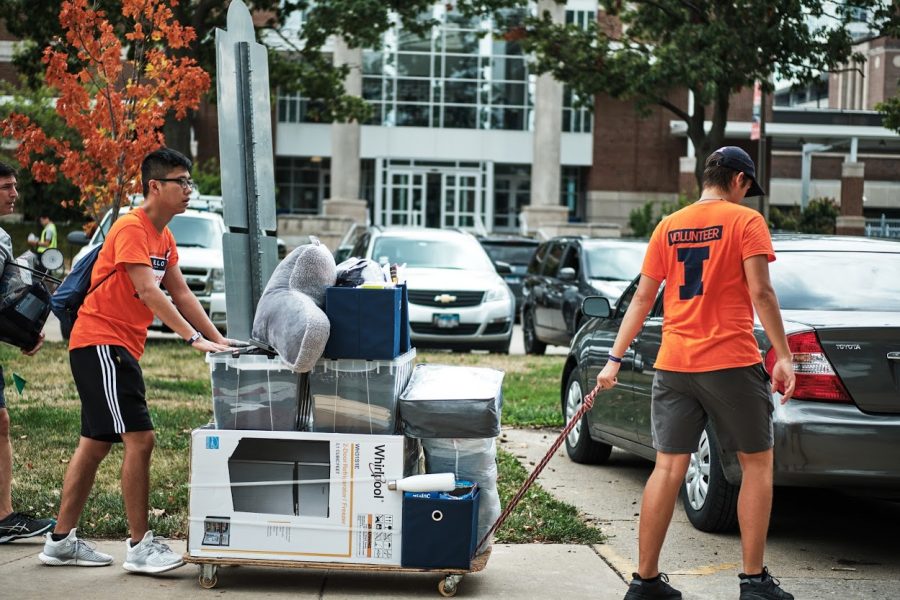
{"x":368,"y":324}
{"x":440,"y":529}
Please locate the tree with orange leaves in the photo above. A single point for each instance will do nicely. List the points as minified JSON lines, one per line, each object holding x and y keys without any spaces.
{"x":113,"y":95}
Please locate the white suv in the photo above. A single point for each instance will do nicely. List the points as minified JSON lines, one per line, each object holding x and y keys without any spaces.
{"x":456,"y":298}
{"x":198,"y":236}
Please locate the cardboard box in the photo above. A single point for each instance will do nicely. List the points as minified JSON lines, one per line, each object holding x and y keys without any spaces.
{"x":297,"y":496}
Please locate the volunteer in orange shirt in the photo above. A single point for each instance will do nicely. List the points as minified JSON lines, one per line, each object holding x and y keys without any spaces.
{"x":106,"y":344}
{"x":714,"y":256}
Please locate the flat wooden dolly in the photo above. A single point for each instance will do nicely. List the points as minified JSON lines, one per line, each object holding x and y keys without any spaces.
{"x":447,"y":587}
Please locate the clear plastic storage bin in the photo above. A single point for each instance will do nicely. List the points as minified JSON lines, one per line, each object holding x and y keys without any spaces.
{"x":253,"y":391}
{"x":358,"y":396}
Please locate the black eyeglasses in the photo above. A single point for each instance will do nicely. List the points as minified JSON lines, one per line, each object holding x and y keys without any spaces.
{"x":185,"y":183}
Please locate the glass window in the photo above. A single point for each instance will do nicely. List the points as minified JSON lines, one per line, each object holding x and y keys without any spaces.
{"x":461,"y":42}
{"x":414,"y":65}
{"x":193,"y":232}
{"x":868,"y":281}
{"x":460,"y":117}
{"x":408,"y":40}
{"x":507,"y":118}
{"x":465,"y":253}
{"x":617,"y":263}
{"x":552,"y":258}
{"x":412,"y":115}
{"x":371,"y":88}
{"x":504,"y":47}
{"x":461,"y":67}
{"x":537,"y":260}
{"x":413,"y":90}
{"x":625,"y":299}
{"x":510,"y":69}
{"x":460,"y":92}
{"x":373,"y":63}
{"x":507,"y":93}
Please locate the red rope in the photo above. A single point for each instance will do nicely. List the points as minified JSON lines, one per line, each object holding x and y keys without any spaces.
{"x":585,"y":406}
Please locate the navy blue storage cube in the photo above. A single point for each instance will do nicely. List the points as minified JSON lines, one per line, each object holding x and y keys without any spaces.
{"x":440,"y":531}
{"x":365,"y":323}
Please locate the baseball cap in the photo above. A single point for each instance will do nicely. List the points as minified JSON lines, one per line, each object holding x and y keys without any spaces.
{"x":734,"y":158}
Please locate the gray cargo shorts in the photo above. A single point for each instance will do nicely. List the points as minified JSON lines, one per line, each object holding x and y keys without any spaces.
{"x":737,"y":401}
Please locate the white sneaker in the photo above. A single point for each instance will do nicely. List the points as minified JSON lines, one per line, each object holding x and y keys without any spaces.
{"x":150,"y":555}
{"x":72,"y":551}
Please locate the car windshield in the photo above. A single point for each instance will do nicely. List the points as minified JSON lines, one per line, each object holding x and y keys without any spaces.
{"x":195,"y":232}
{"x":863,"y":281}
{"x":614,"y":263}
{"x":442,"y":254}
{"x":510,"y":253}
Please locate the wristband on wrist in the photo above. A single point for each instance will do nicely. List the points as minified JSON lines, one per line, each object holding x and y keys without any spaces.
{"x":615,"y":359}
{"x":190,"y":341}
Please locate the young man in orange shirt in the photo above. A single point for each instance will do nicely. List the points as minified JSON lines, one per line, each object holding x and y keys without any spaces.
{"x":106,"y":344}
{"x":714,"y":255}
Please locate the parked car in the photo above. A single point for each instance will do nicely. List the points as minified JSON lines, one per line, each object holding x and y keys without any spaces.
{"x":840,"y":302}
{"x":457,"y":300}
{"x":198,"y":236}
{"x":562,"y":273}
{"x":514,"y":251}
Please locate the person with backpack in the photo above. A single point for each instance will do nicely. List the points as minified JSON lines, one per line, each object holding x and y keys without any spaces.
{"x":13,"y":525}
{"x":107,"y":342}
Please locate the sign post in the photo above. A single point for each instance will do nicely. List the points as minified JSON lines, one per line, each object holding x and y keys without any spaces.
{"x":248,"y":176}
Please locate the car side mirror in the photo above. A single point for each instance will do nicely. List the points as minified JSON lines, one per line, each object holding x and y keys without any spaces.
{"x":596,"y":306}
{"x":567,"y":274}
{"x":78,"y":238}
{"x":503,"y":268}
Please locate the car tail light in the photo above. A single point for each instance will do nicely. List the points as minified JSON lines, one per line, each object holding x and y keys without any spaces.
{"x":816,"y":378}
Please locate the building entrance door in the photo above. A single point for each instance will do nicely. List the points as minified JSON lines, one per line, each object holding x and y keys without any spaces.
{"x":406,"y":193}
{"x":431,"y":196}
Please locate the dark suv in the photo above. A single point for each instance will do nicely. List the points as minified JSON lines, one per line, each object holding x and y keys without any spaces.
{"x":515,"y":251}
{"x":565,"y":270}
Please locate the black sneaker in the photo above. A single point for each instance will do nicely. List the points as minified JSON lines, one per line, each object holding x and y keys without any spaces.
{"x":20,"y":525}
{"x":657,"y":588}
{"x":762,"y":587}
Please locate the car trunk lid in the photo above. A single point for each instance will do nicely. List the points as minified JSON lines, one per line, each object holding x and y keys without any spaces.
{"x":867,"y":360}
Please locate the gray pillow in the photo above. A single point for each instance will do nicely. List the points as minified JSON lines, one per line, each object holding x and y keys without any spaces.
{"x":289,"y":316}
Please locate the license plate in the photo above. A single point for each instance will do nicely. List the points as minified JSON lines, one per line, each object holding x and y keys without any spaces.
{"x":445,"y":321}
{"x":513,"y":279}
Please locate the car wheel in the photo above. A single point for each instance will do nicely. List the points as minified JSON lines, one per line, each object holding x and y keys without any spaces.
{"x":529,"y":337}
{"x":579,"y":445}
{"x":709,"y":500}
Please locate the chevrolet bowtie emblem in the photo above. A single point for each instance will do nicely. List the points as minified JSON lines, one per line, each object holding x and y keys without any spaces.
{"x":445,"y":298}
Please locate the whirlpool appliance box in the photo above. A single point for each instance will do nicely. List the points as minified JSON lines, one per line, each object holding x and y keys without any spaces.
{"x":297,"y":496}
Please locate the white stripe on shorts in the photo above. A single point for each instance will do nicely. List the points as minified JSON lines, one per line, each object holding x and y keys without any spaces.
{"x":108,"y":368}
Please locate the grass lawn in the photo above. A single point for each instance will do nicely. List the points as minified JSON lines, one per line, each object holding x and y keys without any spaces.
{"x":45,"y":429}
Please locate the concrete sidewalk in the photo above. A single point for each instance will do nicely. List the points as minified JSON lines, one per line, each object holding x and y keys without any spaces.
{"x":513,"y":571}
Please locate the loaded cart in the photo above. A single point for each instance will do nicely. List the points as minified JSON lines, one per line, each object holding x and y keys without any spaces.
{"x":311,"y":471}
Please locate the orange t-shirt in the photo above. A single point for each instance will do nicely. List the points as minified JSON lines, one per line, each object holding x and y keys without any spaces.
{"x":707,"y":312}
{"x":112,"y":313}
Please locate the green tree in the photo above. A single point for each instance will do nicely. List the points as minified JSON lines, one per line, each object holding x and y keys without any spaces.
{"x":37,"y":104}
{"x":643,"y":220}
{"x":648,"y":50}
{"x":819,"y":216}
{"x":298,"y":64}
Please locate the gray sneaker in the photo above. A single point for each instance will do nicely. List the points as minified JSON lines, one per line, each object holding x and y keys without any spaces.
{"x":73,"y":552}
{"x":150,"y":555}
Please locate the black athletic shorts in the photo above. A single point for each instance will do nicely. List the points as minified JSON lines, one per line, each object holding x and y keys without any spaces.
{"x":111,"y":386}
